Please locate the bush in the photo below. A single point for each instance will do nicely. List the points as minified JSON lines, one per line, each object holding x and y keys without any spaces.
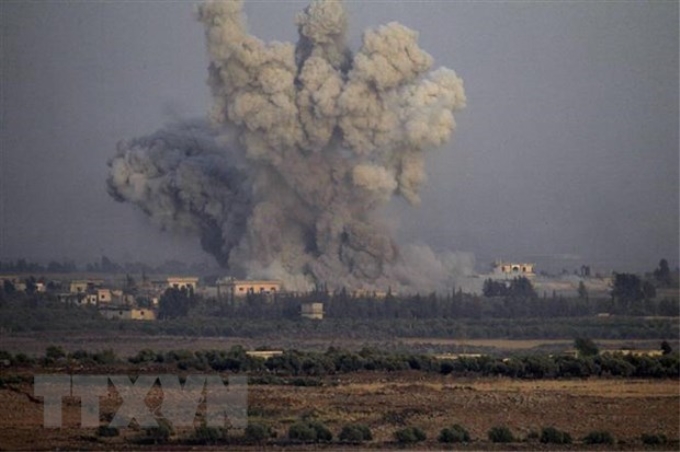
{"x":585,"y":347}
{"x":355,"y":433}
{"x":105,"y":357}
{"x":654,"y":439}
{"x":322,"y":432}
{"x":22,"y":359}
{"x":256,"y":432}
{"x":410,"y":435}
{"x":455,"y":434}
{"x":106,"y":431}
{"x":309,"y":431}
{"x":5,"y":356}
{"x":554,"y":436}
{"x":143,"y":356}
{"x":302,"y":431}
{"x":160,"y":434}
{"x":54,"y":352}
{"x":599,"y":437}
{"x":446,"y":367}
{"x":208,"y":435}
{"x":501,"y":434}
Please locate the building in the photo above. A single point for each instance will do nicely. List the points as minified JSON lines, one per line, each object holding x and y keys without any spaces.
{"x":127,"y":314}
{"x":312,"y":311}
{"x":264,"y":354}
{"x":512,"y":269}
{"x":104,"y":296}
{"x":180,"y":282}
{"x":83,"y":285}
{"x":235,"y":288}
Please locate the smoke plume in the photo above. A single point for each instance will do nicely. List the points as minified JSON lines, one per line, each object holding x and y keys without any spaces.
{"x":302,"y":145}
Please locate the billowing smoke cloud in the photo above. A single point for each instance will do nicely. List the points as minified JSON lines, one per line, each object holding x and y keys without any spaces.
{"x":303,"y":143}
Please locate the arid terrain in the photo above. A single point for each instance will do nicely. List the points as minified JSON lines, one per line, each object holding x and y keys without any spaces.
{"x":385,"y":402}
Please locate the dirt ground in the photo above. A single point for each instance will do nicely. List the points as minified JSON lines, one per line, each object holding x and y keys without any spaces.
{"x":389,"y":401}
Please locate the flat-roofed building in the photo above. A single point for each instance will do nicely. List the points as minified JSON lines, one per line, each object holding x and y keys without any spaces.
{"x":312,"y":311}
{"x":83,"y":285}
{"x":235,"y":288}
{"x":179,"y":282}
{"x":104,"y":296}
{"x":127,"y":314}
{"x":512,"y":269}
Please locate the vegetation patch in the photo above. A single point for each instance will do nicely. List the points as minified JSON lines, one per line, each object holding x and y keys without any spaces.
{"x":500,"y":434}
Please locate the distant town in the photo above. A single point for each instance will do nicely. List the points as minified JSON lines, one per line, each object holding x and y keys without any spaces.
{"x":138,"y":292}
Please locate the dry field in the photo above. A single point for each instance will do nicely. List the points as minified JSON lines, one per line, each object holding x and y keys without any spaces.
{"x":388,"y":401}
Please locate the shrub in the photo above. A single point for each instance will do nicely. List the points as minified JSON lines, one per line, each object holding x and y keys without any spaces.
{"x":160,"y":434}
{"x":106,"y":431}
{"x":446,"y":367}
{"x":554,"y":436}
{"x":105,"y":357}
{"x":5,"y":356}
{"x":302,"y":431}
{"x":208,"y":435}
{"x":355,"y":433}
{"x":599,"y":437}
{"x":143,"y":356}
{"x":533,"y":435}
{"x":22,"y":359}
{"x":585,"y":347}
{"x":309,"y":431}
{"x":455,"y":434}
{"x":654,"y":439}
{"x":501,"y":434}
{"x":256,"y":432}
{"x":80,"y":355}
{"x":322,"y":432}
{"x":54,"y":352}
{"x":410,"y":435}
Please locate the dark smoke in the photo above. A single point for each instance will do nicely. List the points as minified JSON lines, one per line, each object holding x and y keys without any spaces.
{"x":304,"y":144}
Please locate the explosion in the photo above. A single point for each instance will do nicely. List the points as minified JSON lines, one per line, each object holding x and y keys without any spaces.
{"x":302,"y":146}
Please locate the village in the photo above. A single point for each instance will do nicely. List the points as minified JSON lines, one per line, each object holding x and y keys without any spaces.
{"x":125,"y":299}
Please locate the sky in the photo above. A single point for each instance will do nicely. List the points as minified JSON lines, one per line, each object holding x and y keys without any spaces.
{"x":566,"y":154}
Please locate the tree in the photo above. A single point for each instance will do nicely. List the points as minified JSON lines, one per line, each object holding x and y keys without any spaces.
{"x":521,"y":287}
{"x":175,"y":303}
{"x":627,"y":291}
{"x":662,"y":274}
{"x":666,"y":348}
{"x":8,"y":287}
{"x":494,"y":288}
{"x":585,"y":347}
{"x":582,"y":291}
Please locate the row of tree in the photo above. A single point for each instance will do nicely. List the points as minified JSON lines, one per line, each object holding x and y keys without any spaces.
{"x":176,"y":303}
{"x":296,"y":363}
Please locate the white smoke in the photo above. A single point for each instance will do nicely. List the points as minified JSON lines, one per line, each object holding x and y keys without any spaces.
{"x":304,"y":143}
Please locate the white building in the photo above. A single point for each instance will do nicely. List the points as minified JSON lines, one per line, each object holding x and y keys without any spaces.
{"x":513,"y":269}
{"x":312,"y":311}
{"x":235,"y":288}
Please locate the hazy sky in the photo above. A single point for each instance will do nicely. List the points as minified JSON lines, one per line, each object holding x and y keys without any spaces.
{"x":567,"y":153}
